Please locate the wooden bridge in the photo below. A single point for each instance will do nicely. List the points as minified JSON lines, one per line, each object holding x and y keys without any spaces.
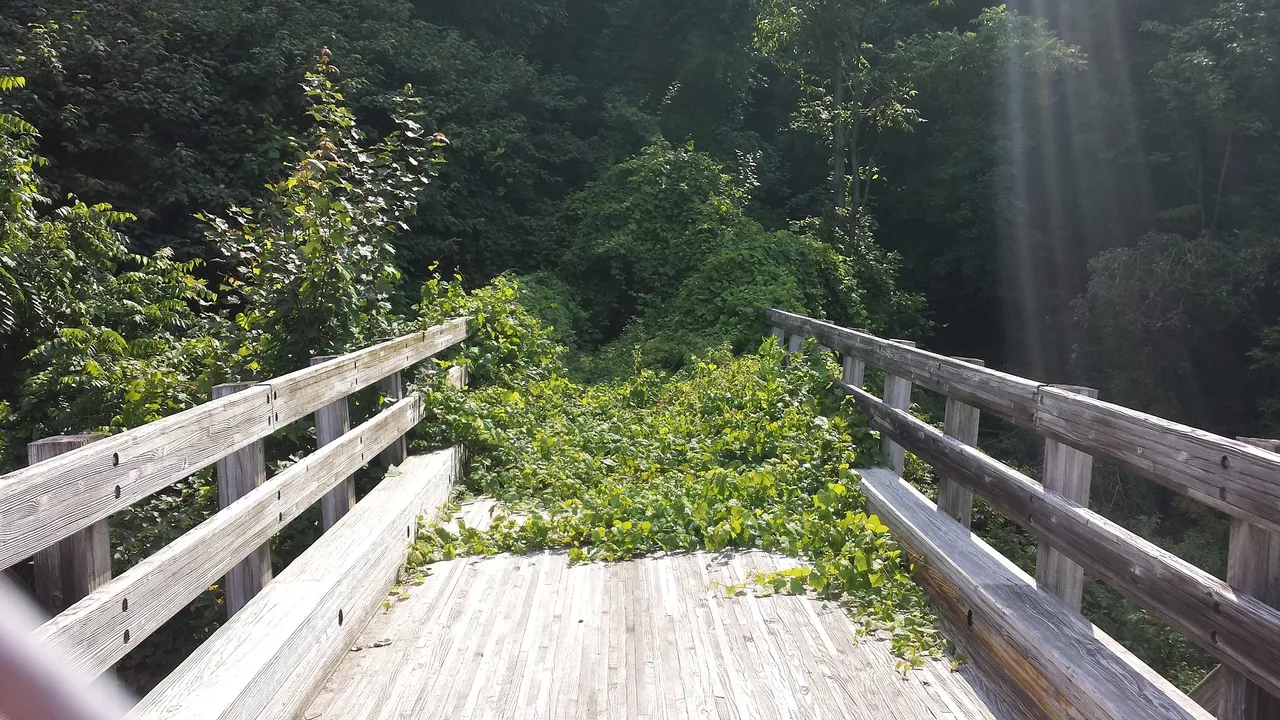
{"x":535,"y":637}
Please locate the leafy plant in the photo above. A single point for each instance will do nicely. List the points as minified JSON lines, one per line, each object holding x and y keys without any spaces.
{"x":314,"y":261}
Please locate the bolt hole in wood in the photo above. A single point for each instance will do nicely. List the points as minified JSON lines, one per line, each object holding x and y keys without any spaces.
{"x":277,"y":494}
{"x":117,"y":492}
{"x":126,"y":636}
{"x":124,"y":605}
{"x":280,"y":518}
{"x":1217,"y":607}
{"x":1213,"y":636}
{"x":968,"y":619}
{"x":339,"y":618}
{"x":1226,"y":462}
{"x":115,"y":459}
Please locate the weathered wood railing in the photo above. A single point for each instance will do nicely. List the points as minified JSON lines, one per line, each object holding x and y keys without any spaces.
{"x":1231,"y":620}
{"x":54,"y":499}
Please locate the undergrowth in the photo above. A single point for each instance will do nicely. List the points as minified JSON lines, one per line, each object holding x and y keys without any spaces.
{"x":755,"y":451}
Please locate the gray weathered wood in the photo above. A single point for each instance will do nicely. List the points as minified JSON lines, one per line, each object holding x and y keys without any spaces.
{"x":1063,"y":665}
{"x":91,"y":634}
{"x":1228,"y":475}
{"x":392,"y":388}
{"x":897,"y":394}
{"x":796,"y":343}
{"x":333,"y":421}
{"x":1250,"y":570}
{"x":272,"y":658}
{"x":960,"y":422}
{"x":80,"y":563}
{"x":517,"y":637}
{"x":1007,"y":396}
{"x":780,"y":335}
{"x":238,"y":474}
{"x":1068,"y":472}
{"x":49,"y":501}
{"x":853,"y":371}
{"x":1208,"y":692}
{"x":1239,"y":630}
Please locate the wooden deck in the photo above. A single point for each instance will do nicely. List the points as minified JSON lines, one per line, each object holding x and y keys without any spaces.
{"x":534,"y":637}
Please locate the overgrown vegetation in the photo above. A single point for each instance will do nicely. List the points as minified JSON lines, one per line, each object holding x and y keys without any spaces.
{"x":746,"y":451}
{"x":1087,"y":194}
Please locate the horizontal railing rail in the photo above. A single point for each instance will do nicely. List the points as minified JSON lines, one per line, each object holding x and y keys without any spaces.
{"x":1231,"y":620}
{"x":49,"y":501}
{"x":1228,"y":475}
{"x":104,"y":626}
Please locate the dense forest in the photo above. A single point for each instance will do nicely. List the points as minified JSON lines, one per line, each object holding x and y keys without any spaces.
{"x":198,"y":191}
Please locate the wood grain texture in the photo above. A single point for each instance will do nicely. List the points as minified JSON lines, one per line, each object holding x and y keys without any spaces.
{"x":1001,"y":394}
{"x":238,"y":474}
{"x":961,"y":422}
{"x":1237,"y":629}
{"x":1068,"y":472}
{"x":391,"y":388}
{"x":535,"y":637}
{"x":1208,"y":692}
{"x":1228,"y":475}
{"x":92,"y":633}
{"x":272,"y":658}
{"x":47,"y":502}
{"x":332,"y":422}
{"x":853,"y":371}
{"x":80,"y":563}
{"x":1062,"y":664}
{"x":897,"y":394}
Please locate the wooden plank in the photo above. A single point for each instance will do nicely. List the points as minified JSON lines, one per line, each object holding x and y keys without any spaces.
{"x":897,"y":394}
{"x":1208,"y":692}
{"x":392,"y":389}
{"x":1239,"y":630}
{"x":1234,"y":477}
{"x":853,"y":371}
{"x":1228,"y":475}
{"x":80,"y":563}
{"x":108,"y":623}
{"x":49,"y":501}
{"x":1007,"y":396}
{"x":1065,"y":665}
{"x":271,"y":659}
{"x":960,"y":422}
{"x":238,"y":474}
{"x":796,"y":343}
{"x":1069,"y":473}
{"x":780,"y":335}
{"x":332,"y":422}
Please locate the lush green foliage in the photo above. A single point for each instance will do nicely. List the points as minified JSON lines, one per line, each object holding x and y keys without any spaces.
{"x":731,"y":452}
{"x":1085,"y":195}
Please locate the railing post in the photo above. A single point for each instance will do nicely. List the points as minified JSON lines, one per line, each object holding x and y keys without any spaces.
{"x":1067,"y":472}
{"x":897,"y":394}
{"x":238,"y":474}
{"x":392,"y":386}
{"x":333,"y":421}
{"x":1253,"y":568}
{"x":81,"y":563}
{"x":796,"y":344}
{"x":853,"y":371}
{"x":780,"y":335}
{"x":961,"y":423}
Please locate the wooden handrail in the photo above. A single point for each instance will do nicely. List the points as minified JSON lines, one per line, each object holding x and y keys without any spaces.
{"x":91,"y":635}
{"x":1228,"y":475}
{"x":1057,"y":664}
{"x":1240,"y":630}
{"x":48,"y":501}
